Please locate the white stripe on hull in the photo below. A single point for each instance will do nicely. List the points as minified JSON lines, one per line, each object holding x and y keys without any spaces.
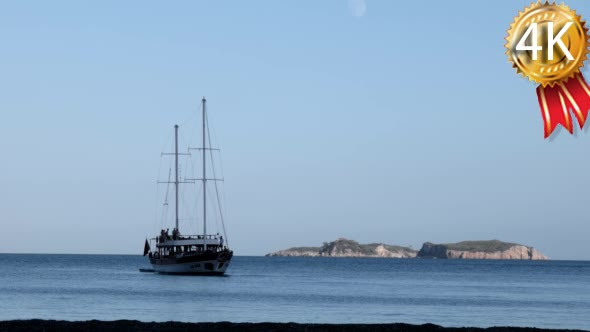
{"x":196,"y":267}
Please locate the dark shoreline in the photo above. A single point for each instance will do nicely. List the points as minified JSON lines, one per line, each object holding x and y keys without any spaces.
{"x":133,"y":325}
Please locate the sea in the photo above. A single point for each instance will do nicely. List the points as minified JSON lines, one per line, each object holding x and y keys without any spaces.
{"x":482,"y":293}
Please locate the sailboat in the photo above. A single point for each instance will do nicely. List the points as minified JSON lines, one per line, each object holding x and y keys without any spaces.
{"x":177,"y":253}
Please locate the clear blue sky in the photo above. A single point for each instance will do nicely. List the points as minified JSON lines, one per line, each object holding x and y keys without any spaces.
{"x":398,"y":123}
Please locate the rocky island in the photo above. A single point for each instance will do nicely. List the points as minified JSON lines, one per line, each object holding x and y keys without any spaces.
{"x":492,"y":249}
{"x":349,"y":248}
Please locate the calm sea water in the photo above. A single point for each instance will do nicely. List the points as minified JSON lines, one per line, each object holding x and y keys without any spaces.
{"x":344,"y":290}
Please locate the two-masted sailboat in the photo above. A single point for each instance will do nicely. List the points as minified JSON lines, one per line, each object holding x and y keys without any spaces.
{"x":177,"y":253}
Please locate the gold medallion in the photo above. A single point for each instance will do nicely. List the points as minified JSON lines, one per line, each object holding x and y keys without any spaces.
{"x":547,"y":43}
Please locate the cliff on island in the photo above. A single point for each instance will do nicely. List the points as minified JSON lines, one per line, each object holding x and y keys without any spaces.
{"x":349,"y":248}
{"x":297,"y":252}
{"x":492,"y":249}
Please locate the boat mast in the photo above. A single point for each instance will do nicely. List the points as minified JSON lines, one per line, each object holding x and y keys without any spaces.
{"x":176,"y":171}
{"x":204,"y":180}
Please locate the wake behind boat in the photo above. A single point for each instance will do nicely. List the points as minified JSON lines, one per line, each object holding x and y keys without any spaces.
{"x":177,"y":253}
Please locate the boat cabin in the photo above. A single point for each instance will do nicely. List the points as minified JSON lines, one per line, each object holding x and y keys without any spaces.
{"x":187,"y":245}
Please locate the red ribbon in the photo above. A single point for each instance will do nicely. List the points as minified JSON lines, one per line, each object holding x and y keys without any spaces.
{"x":556,"y":101}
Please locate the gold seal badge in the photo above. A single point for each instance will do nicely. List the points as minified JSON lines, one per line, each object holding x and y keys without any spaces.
{"x":547,"y":43}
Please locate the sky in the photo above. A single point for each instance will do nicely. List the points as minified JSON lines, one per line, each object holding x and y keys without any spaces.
{"x":378,"y":121}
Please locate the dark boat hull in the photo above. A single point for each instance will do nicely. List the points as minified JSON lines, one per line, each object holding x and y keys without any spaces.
{"x":207,"y":263}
